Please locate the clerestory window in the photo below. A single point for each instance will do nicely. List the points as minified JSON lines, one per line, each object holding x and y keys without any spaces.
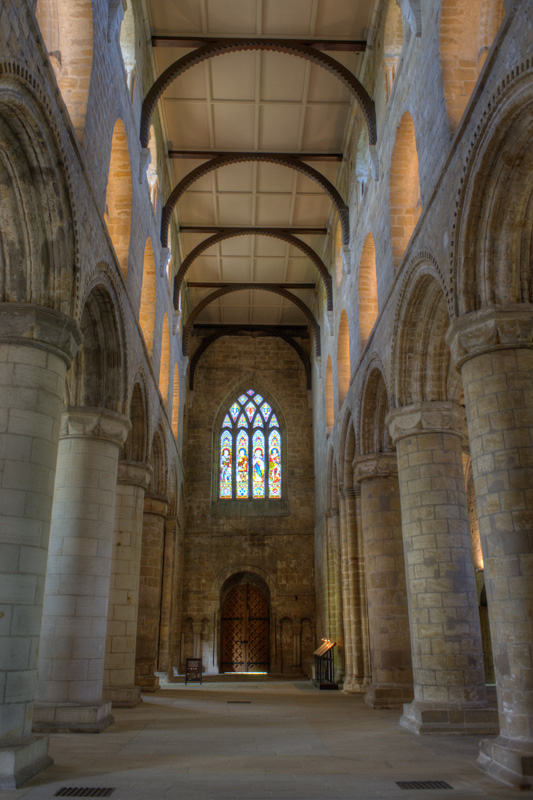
{"x":250,"y":462}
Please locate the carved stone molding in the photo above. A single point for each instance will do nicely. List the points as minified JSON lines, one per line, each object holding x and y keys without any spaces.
{"x":95,"y":423}
{"x":375,"y":465}
{"x":155,"y":504}
{"x":35,"y":326}
{"x":494,"y":328}
{"x":429,"y":417}
{"x":134,"y":473}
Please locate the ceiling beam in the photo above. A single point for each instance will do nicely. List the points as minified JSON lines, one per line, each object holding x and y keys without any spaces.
{"x":338,"y":45}
{"x":201,"y":328}
{"x":218,"y":284}
{"x":220,"y":228}
{"x":205,"y":154}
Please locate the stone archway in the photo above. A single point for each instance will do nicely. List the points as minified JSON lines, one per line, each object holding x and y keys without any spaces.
{"x":245,"y":624}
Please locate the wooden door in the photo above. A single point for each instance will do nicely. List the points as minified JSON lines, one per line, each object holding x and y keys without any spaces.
{"x":245,"y":630}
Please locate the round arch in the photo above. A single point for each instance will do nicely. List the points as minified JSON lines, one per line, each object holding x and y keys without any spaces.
{"x":284,"y":236}
{"x":225,"y":46}
{"x":136,"y":444}
{"x":270,"y":158}
{"x":265,"y":287}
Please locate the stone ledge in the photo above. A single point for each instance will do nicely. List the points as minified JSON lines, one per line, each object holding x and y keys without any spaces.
{"x":388,"y":695}
{"x":71,"y":717}
{"x":431,"y":718}
{"x":123,"y":696}
{"x":508,"y":761}
{"x":250,"y":508}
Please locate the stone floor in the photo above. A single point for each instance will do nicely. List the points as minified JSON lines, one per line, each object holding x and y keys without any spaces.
{"x":271,"y":740}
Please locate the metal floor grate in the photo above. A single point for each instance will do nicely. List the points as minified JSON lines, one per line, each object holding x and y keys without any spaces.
{"x":423,"y":785}
{"x":87,"y":791}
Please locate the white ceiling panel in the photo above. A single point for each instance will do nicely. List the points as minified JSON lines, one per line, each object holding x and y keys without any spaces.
{"x":233,"y":76}
{"x":182,"y":166}
{"x":275,"y":178}
{"x":282,"y":18}
{"x":239,"y":299}
{"x":301,"y":270}
{"x":210,"y":314}
{"x":325,"y":126}
{"x":342,"y":18}
{"x":204,"y":268}
{"x":234,"y":126}
{"x":234,"y":209}
{"x":279,"y":127}
{"x":231,"y":17}
{"x":176,"y":16}
{"x":291,"y":315}
{"x":307,"y":185}
{"x":191,"y":84}
{"x":188,"y":125}
{"x":311,"y":209}
{"x":325,"y":87}
{"x":269,"y":270}
{"x":197,"y":209}
{"x":238,"y":270}
{"x":235,"y":178}
{"x":282,"y":77}
{"x":238,"y":246}
{"x":273,"y":210}
{"x":268,"y":246}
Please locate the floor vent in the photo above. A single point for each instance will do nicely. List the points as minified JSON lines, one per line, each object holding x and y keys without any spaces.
{"x":239,"y":701}
{"x":87,"y":791}
{"x":423,"y":785}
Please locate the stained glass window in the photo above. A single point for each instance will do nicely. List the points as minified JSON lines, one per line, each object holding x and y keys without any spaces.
{"x":250,"y":450}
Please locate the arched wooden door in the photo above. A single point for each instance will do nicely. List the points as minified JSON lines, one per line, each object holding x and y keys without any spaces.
{"x":245,"y":630}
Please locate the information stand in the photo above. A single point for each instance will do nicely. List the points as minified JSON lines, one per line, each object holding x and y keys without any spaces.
{"x":324,"y":666}
{"x":193,"y":670}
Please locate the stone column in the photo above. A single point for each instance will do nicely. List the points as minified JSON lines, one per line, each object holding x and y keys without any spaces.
{"x":167,"y":593}
{"x":155,"y":511}
{"x":119,"y":667}
{"x":346,"y":594}
{"x":36,"y":347}
{"x":493,"y":350}
{"x":197,"y":639}
{"x":297,"y":646}
{"x":73,"y":634}
{"x":388,"y":615}
{"x":449,"y":681}
{"x":175,"y":622}
{"x":334,"y":591}
{"x":358,"y":679}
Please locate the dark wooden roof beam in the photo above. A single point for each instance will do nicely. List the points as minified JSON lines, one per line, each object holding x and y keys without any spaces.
{"x":206,"y":154}
{"x":220,"y":228}
{"x":338,"y":45}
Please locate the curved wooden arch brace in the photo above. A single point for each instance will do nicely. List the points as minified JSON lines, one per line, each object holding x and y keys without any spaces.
{"x":239,"y":287}
{"x":270,"y":158}
{"x":293,"y":48}
{"x":236,"y":330}
{"x":277,"y":234}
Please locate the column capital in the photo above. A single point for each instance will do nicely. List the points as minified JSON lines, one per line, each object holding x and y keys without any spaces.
{"x":493,"y":328}
{"x":428,"y":417}
{"x":134,"y":473}
{"x":155,"y":504}
{"x":31,"y":325}
{"x":95,"y":423}
{"x":375,"y":465}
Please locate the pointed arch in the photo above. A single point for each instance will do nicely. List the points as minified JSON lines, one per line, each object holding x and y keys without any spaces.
{"x":404,"y":188}
{"x":67,"y":30}
{"x":373,"y":432}
{"x":330,"y":402}
{"x":263,"y":287}
{"x":158,"y":458}
{"x":148,"y":297}
{"x":226,"y":46}
{"x":136,"y":444}
{"x":164,"y":363}
{"x":270,"y":158}
{"x":392,"y":44}
{"x":127,"y":44}
{"x":344,"y":371}
{"x":466,"y":33}
{"x":337,"y":253}
{"x":284,"y":236}
{"x":367,"y":289}
{"x":119,"y":196}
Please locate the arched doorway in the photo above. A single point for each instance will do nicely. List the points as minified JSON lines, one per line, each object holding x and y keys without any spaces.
{"x":245,"y":625}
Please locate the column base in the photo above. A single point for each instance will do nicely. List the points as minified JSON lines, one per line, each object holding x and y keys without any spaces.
{"x":354,"y":686}
{"x":507,"y":760}
{"x":22,"y":760}
{"x":424,"y":718}
{"x":123,"y":696}
{"x":147,"y":683}
{"x":71,"y":717}
{"x":388,"y":695}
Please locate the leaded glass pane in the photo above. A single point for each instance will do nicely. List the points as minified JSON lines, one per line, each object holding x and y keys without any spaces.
{"x":243,"y":422}
{"x":258,"y":465}
{"x":250,"y":411}
{"x":258,"y":399}
{"x":242,"y":399}
{"x":274,"y":422}
{"x":242,"y":464}
{"x":234,"y":410}
{"x":274,"y":464}
{"x":258,"y":421}
{"x":250,"y":392}
{"x":227,"y":422}
{"x":265,"y":410}
{"x":226,"y":446}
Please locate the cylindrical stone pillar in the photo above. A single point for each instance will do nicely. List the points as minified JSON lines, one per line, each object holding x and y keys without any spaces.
{"x":493,"y":348}
{"x":119,"y":667}
{"x":346,"y":594}
{"x":73,"y":634}
{"x":358,"y":679}
{"x":175,"y":623}
{"x":334,"y":591}
{"x":388,"y":615}
{"x":151,"y":576}
{"x":449,"y":680}
{"x":167,"y":593}
{"x":36,"y":347}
